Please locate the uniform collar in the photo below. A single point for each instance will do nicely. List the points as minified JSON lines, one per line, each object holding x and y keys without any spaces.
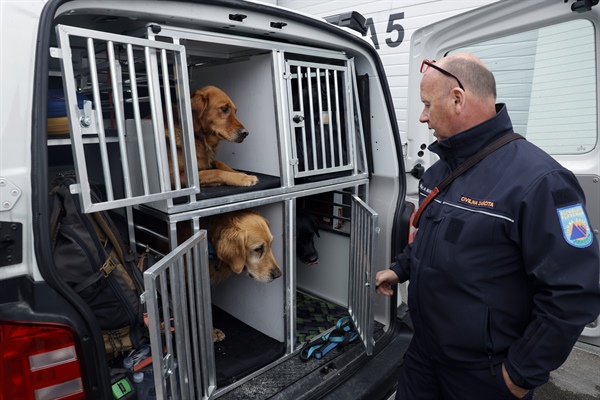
{"x":455,"y":149}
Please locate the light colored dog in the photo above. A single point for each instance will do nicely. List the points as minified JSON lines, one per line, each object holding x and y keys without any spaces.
{"x":241,"y":241}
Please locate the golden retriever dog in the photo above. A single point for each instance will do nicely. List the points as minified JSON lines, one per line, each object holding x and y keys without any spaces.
{"x":241,"y":241}
{"x":238,"y":241}
{"x":214,"y":119}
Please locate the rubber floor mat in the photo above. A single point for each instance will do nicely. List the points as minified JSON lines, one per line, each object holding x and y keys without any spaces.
{"x":244,"y":349}
{"x":314,"y":316}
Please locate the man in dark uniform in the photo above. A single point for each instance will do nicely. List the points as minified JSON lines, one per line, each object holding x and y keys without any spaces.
{"x":504,"y":268}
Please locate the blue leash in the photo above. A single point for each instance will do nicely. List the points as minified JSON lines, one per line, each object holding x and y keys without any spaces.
{"x":343,"y":334}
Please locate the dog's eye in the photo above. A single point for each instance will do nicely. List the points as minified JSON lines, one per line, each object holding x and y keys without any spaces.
{"x":225,"y":109}
{"x":259,"y":249}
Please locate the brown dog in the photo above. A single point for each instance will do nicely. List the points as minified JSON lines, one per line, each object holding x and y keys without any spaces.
{"x":213,"y":116}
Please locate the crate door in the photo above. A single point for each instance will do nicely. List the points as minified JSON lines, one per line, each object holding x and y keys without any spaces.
{"x":120,"y":93}
{"x":321,"y":117}
{"x":364,"y":233}
{"x":177,"y":296}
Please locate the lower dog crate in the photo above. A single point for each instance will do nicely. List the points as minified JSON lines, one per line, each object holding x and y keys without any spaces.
{"x":267,"y":313}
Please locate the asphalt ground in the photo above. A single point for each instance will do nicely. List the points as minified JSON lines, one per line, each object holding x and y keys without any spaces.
{"x":577,"y":379}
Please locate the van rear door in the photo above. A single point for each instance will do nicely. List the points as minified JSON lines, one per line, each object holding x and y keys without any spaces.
{"x":545,"y":57}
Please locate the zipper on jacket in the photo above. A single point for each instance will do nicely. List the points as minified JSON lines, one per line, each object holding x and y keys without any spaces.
{"x":492,"y":371}
{"x":488,"y":337}
{"x":430,"y":234}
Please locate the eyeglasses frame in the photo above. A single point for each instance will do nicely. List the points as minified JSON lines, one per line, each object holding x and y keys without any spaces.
{"x":430,"y":63}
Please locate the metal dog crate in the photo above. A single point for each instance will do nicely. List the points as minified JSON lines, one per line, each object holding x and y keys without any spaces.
{"x":112,"y":70}
{"x":132,"y":83}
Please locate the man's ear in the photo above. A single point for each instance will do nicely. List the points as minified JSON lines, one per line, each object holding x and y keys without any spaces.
{"x":231,"y":248}
{"x":458,"y":99}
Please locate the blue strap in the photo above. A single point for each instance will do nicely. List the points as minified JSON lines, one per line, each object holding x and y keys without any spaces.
{"x":343,"y":334}
{"x":212,"y":254}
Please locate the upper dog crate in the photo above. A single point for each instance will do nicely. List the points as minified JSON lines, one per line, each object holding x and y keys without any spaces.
{"x":301,"y":106}
{"x":313,"y":90}
{"x":126,"y":78}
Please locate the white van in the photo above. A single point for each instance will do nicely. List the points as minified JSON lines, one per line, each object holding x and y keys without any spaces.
{"x":114,"y":69}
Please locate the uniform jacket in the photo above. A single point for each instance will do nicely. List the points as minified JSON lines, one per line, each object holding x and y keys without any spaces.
{"x":505,"y":265}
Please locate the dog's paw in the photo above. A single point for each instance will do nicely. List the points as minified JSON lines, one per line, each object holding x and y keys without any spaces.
{"x":218,"y":335}
{"x":249,"y":180}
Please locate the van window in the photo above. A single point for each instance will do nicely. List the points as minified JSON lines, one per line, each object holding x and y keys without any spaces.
{"x":547,"y":78}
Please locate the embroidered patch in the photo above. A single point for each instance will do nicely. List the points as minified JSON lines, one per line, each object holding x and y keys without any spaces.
{"x":478,"y":203}
{"x":575,"y":226}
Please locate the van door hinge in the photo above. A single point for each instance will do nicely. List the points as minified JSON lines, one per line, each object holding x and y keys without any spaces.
{"x":9,"y":193}
{"x":55,"y":52}
{"x":11,"y":243}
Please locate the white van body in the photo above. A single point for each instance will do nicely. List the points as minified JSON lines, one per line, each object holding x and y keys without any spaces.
{"x":253,"y":51}
{"x":120,"y":67}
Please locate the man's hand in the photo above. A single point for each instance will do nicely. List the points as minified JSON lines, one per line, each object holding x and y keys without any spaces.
{"x":384,"y":281}
{"x":517,"y":391}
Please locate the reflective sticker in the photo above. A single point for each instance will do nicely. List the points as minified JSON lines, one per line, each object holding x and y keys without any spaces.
{"x":575,"y":226}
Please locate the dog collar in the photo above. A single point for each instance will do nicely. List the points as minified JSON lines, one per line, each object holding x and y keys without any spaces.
{"x":212,"y":255}
{"x":211,"y":251}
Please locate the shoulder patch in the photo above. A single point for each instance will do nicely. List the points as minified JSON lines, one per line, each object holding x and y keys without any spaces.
{"x":575,"y":226}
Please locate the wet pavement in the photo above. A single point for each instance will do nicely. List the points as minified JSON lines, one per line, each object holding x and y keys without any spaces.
{"x":577,"y":379}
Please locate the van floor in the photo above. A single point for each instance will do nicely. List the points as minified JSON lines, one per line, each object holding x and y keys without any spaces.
{"x":246,"y":350}
{"x":292,"y":378}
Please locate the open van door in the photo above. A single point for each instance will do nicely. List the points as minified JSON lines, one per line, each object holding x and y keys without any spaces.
{"x":544,"y":55}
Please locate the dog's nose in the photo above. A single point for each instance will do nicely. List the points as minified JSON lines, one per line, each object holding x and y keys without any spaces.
{"x":243,"y":132}
{"x":313,"y":258}
{"x":275,"y":273}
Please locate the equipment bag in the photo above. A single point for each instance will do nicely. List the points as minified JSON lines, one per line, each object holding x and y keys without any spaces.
{"x":93,"y":259}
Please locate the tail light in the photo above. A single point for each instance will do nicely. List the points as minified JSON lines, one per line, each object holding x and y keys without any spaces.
{"x":39,"y":361}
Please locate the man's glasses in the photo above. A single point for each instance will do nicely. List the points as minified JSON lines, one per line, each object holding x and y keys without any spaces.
{"x":430,"y":63}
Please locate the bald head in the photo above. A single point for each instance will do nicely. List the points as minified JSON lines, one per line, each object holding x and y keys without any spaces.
{"x":472,"y":72}
{"x":448,"y":109}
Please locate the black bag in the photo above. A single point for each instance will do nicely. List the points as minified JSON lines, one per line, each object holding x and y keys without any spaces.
{"x":93,"y":259}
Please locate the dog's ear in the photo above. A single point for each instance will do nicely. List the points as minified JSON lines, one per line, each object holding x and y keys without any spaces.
{"x":199,"y":102}
{"x":231,"y":248}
